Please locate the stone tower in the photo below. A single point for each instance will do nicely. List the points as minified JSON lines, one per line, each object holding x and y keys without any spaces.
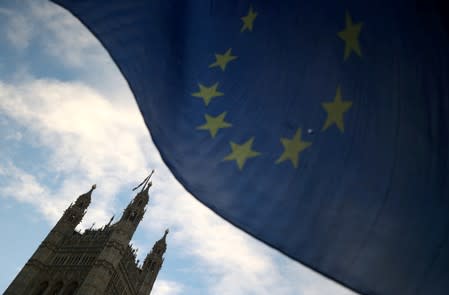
{"x":97,"y":261}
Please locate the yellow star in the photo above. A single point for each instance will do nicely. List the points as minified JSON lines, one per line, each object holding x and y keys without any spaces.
{"x":351,"y":36}
{"x":207,"y":93}
{"x":292,"y":148}
{"x":248,"y":20}
{"x":223,"y":59}
{"x":335,"y":111}
{"x":214,"y":123}
{"x":241,"y":152}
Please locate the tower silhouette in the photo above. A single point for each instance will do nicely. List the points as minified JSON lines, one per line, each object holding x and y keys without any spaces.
{"x":97,"y":261}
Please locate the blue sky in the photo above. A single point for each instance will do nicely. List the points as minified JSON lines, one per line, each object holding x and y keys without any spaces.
{"x":68,"y":120}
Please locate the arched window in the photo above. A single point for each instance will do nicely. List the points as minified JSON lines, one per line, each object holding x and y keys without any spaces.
{"x":56,"y":288}
{"x":41,"y":289}
{"x":71,"y":288}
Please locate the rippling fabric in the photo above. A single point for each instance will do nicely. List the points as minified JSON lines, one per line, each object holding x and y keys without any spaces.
{"x":318,"y":127}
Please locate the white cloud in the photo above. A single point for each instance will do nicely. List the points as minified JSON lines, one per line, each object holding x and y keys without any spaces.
{"x":55,"y":33}
{"x":65,"y":37}
{"x":26,"y":189}
{"x":19,"y":32}
{"x":90,"y":139}
{"x":5,"y":11}
{"x":164,"y":287}
{"x":15,"y":136}
{"x":69,"y":43}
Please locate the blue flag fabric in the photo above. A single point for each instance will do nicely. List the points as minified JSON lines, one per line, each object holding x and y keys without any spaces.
{"x":319,"y":127}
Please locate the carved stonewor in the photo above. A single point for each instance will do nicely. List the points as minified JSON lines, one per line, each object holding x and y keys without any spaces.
{"x":97,"y":261}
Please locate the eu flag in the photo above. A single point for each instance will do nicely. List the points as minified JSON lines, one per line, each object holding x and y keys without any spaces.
{"x":319,"y":127}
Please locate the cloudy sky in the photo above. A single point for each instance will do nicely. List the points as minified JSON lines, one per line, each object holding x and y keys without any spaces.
{"x":68,"y":120}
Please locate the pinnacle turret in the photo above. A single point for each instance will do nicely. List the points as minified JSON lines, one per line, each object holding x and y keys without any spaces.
{"x":161,"y":246}
{"x":153,"y":261}
{"x":84,"y":200}
{"x":75,"y":212}
{"x":135,"y":211}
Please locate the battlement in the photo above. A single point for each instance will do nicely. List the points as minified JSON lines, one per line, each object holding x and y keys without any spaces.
{"x":88,"y":238}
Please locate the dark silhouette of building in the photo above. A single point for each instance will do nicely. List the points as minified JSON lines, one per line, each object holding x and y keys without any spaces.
{"x":97,"y":261}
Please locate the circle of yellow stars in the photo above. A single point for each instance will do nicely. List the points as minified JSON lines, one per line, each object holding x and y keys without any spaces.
{"x":335,"y":109}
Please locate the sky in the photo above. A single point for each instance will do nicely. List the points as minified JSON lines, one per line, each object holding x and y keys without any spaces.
{"x":68,"y":120}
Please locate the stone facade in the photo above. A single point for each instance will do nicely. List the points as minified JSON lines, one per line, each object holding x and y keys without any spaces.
{"x":97,"y":261}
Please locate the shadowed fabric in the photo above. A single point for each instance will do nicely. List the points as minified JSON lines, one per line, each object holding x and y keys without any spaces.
{"x":319,"y":127}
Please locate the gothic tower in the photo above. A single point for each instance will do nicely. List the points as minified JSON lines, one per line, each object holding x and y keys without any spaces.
{"x":95,"y":262}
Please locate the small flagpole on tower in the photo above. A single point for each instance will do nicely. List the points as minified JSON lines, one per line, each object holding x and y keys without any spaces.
{"x":144,"y":182}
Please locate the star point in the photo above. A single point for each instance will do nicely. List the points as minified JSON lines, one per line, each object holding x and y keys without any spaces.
{"x":248,"y":20}
{"x":242,"y":152}
{"x":292,"y":148}
{"x":350,"y":35}
{"x":213,"y":124}
{"x":221,"y":60}
{"x":207,"y":93}
{"x":335,"y":111}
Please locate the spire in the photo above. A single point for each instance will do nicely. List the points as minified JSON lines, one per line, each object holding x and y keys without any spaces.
{"x":154,"y":259}
{"x":135,"y":211}
{"x":84,"y":200}
{"x":165,"y":236}
{"x":142,"y":198}
{"x":161,"y":245}
{"x":153,"y":264}
{"x":75,"y":212}
{"x":146,"y":183}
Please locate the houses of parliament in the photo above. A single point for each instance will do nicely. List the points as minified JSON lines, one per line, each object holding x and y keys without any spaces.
{"x":95,"y":262}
